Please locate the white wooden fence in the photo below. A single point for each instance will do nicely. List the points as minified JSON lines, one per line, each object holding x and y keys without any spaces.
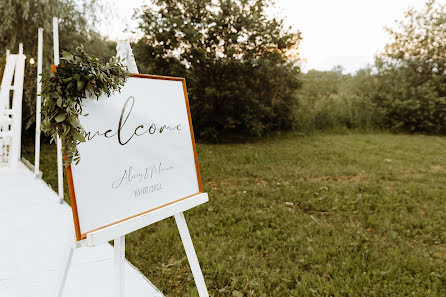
{"x":11,"y":109}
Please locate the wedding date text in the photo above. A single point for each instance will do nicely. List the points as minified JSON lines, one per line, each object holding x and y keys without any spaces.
{"x":147,"y":190}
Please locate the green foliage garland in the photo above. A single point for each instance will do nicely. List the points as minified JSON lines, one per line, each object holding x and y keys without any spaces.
{"x":77,"y":77}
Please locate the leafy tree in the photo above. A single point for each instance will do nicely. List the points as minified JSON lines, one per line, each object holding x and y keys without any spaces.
{"x":20,"y":21}
{"x":412,"y":72}
{"x":238,"y":62}
{"x":331,"y":100}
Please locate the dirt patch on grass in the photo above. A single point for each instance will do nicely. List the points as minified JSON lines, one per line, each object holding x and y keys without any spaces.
{"x":437,"y":168}
{"x":242,"y":181}
{"x":340,"y":178}
{"x":431,"y":169}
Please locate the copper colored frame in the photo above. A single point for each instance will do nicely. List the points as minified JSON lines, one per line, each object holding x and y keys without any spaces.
{"x":77,"y":229}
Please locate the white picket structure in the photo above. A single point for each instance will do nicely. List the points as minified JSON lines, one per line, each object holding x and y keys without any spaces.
{"x":11,"y":110}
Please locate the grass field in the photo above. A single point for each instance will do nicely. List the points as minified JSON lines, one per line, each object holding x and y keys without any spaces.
{"x":321,"y":215}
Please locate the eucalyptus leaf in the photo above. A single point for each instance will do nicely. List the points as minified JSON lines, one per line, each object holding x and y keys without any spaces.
{"x":67,"y":55}
{"x":80,"y":84}
{"x":78,"y":136}
{"x":75,"y":122}
{"x":71,"y":84}
{"x":50,"y":104}
{"x":60,"y":117}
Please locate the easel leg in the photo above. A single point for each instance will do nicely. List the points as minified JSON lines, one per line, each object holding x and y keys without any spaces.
{"x":64,"y":271}
{"x":191,"y":255}
{"x":118,"y":273}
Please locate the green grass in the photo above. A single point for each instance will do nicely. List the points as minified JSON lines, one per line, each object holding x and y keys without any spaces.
{"x":321,"y":215}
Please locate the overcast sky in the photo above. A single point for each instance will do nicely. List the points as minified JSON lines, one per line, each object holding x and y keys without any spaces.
{"x":335,"y":32}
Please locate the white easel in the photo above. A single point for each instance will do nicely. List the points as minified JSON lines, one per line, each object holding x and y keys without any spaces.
{"x":118,"y":231}
{"x":11,"y":117}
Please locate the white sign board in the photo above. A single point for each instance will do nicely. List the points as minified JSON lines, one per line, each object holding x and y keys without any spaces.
{"x":139,"y":154}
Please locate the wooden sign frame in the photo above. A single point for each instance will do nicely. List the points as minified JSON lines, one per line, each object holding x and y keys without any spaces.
{"x":71,"y":187}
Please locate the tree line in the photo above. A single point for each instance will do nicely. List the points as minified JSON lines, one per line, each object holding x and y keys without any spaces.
{"x":242,"y":65}
{"x":405,"y":89}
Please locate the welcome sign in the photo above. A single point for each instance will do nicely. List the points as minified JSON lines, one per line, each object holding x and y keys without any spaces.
{"x":139,"y":153}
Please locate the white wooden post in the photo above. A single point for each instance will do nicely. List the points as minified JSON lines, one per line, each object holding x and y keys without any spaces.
{"x":16,"y":128}
{"x":3,"y":119}
{"x":119,"y":271}
{"x":59,"y":142}
{"x":191,"y":255}
{"x":38,"y":102}
{"x":5,"y":108}
{"x":15,"y":151}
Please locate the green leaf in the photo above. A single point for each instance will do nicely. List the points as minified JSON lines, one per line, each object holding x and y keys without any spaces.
{"x":60,"y":117}
{"x":71,"y":84}
{"x":66,"y":129}
{"x":67,"y":56}
{"x":77,"y":135}
{"x":80,"y":84}
{"x":75,"y":122}
{"x":59,"y":102}
{"x":51,"y":104}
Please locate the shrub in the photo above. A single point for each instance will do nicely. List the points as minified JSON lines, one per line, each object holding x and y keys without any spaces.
{"x":236,"y":61}
{"x":330,"y":100}
{"x":412,"y":72}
